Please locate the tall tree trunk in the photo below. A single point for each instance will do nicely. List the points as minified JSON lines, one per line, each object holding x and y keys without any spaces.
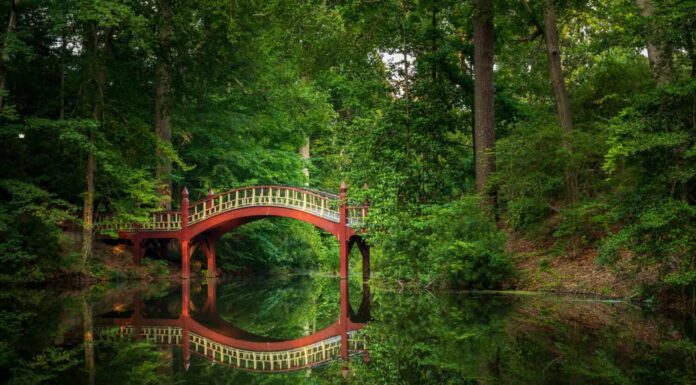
{"x":560,"y":94}
{"x":5,"y":57}
{"x":484,"y":123}
{"x":659,"y":53}
{"x":163,"y":91}
{"x":98,"y":80}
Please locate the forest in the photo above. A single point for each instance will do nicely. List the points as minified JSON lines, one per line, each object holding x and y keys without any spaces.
{"x":495,"y":141}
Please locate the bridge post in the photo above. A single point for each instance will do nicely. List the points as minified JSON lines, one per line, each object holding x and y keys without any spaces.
{"x":342,"y":230}
{"x":183,"y":236}
{"x":185,"y":260}
{"x":209,"y":203}
{"x":184,"y":208}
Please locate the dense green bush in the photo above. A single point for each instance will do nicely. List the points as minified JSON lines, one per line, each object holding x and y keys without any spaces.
{"x":30,"y":247}
{"x":652,"y":160}
{"x":455,"y":244}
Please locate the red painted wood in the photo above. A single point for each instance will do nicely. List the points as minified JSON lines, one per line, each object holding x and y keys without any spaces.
{"x":247,"y":214}
{"x":185,"y":259}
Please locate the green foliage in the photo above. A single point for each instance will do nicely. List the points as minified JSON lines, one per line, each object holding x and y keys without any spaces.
{"x":29,"y":237}
{"x":276,"y":244}
{"x":652,"y":154}
{"x":48,"y":365}
{"x":455,"y":244}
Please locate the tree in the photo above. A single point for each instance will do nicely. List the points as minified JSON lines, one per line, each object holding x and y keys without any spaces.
{"x":163,"y":100}
{"x":659,"y":53}
{"x":6,"y":47}
{"x":97,"y":81}
{"x":484,"y":121}
{"x":560,"y":94}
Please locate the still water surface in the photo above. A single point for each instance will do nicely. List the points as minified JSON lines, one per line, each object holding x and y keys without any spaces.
{"x":314,"y":329}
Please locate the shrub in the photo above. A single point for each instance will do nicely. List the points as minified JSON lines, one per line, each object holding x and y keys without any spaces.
{"x":456,"y":244}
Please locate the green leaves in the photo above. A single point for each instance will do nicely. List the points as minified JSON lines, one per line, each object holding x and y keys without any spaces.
{"x":455,"y":244}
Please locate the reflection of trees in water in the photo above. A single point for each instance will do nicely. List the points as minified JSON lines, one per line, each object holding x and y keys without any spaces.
{"x":425,"y":339}
{"x":413,"y":339}
{"x":290,"y":308}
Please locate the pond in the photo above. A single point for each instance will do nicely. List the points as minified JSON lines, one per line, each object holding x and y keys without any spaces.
{"x":314,"y":329}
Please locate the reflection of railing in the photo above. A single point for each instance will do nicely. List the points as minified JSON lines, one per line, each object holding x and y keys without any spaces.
{"x":323,"y":205}
{"x":291,"y":359}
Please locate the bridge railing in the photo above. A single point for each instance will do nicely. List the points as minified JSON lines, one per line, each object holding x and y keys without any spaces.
{"x":161,"y":221}
{"x":356,"y":215}
{"x":324,"y":205}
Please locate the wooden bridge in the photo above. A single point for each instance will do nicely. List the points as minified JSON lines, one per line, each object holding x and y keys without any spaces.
{"x":206,"y":334}
{"x":202,"y":223}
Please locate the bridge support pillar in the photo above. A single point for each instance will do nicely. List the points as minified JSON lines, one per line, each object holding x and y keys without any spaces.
{"x":185,"y":260}
{"x":208,"y":247}
{"x":344,"y":258}
{"x":343,"y":231}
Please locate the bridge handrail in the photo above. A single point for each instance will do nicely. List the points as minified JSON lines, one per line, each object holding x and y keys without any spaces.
{"x":317,"y":202}
{"x":291,"y":197}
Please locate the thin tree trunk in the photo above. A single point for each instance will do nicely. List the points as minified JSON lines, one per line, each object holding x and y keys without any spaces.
{"x":659,"y":54}
{"x":560,"y":94}
{"x":163,"y":90}
{"x":98,"y":80}
{"x":5,"y":57}
{"x":484,"y":124}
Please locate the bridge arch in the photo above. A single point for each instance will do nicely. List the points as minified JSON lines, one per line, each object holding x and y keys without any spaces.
{"x":231,"y":220}
{"x":201,"y":223}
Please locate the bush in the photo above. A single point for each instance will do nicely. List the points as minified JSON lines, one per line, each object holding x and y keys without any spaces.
{"x":29,"y":236}
{"x":456,"y":244}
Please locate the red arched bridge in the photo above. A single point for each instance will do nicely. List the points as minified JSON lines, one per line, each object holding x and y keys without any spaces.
{"x":203,"y":222}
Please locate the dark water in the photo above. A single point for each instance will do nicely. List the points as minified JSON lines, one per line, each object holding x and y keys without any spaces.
{"x":316,"y":330}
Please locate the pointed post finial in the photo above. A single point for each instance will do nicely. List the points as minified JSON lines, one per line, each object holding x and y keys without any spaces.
{"x":344,"y":187}
{"x":184,"y":207}
{"x":209,"y":203}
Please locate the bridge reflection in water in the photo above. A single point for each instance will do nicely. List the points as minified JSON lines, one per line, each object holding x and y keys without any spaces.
{"x":205,"y":333}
